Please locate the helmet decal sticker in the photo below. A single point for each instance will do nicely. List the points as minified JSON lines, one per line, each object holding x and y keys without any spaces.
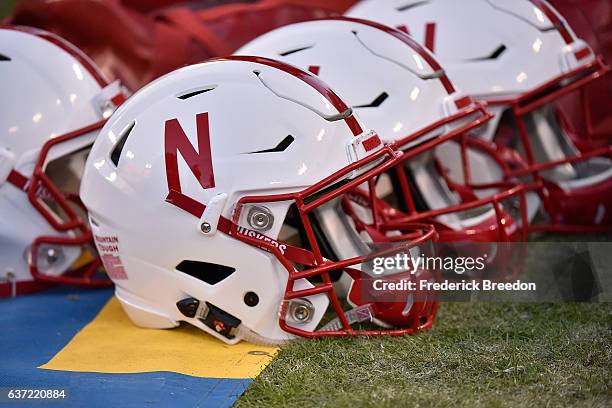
{"x":199,"y":162}
{"x":109,"y":253}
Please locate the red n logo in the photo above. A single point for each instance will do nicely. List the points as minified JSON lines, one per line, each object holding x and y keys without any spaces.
{"x":199,"y":162}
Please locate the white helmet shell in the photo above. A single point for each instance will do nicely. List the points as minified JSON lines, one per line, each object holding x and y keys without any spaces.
{"x":243,"y":127}
{"x":397,"y":87}
{"x":515,"y":44}
{"x":521,"y":57}
{"x":50,"y":89}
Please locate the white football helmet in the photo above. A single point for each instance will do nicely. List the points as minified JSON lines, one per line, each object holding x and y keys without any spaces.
{"x":198,"y":184}
{"x":400,"y":90}
{"x":521,"y":57}
{"x":54,"y":101}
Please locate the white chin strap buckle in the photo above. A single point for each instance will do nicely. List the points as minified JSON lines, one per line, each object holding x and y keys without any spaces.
{"x":7,"y":163}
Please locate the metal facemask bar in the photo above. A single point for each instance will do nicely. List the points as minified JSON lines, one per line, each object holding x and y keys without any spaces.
{"x":528,"y":166}
{"x":317,"y":266}
{"x":301,"y":263}
{"x":61,"y":216}
{"x":470,"y":117}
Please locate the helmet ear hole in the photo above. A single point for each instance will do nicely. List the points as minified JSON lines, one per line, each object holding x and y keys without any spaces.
{"x":251,"y":299}
{"x":205,"y":271}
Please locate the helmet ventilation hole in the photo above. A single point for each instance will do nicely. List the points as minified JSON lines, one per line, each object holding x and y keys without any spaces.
{"x":293,"y":51}
{"x":280,"y":147}
{"x":116,"y":153}
{"x":195,"y":92}
{"x":376,"y":102}
{"x":412,"y":5}
{"x":210,"y":273}
{"x":494,"y":55}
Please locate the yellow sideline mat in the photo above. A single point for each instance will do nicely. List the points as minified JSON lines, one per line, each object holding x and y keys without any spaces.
{"x":112,"y":344}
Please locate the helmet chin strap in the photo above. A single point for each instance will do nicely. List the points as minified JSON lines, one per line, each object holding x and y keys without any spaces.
{"x":17,"y":179}
{"x":247,"y":334}
{"x":363,"y":313}
{"x":8,"y":172}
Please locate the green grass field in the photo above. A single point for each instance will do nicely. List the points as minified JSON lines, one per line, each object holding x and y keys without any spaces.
{"x":477,"y":355}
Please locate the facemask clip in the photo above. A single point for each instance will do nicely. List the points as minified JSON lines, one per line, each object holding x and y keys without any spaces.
{"x":575,"y":55}
{"x":109,"y":99}
{"x":363,"y":145}
{"x":209,"y":220}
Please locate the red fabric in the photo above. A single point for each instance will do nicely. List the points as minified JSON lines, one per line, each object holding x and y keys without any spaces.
{"x":139,"y":40}
{"x":591,"y":20}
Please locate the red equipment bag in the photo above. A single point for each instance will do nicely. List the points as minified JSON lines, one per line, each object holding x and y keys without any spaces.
{"x":591,"y":20}
{"x":139,"y":40}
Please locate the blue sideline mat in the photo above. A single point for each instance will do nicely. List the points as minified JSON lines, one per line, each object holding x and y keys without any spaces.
{"x":35,"y":328}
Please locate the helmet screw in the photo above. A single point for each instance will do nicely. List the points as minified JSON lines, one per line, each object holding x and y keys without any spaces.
{"x":51,"y":256}
{"x":205,"y":227}
{"x":301,"y":310}
{"x":301,"y":313}
{"x":260,"y":218}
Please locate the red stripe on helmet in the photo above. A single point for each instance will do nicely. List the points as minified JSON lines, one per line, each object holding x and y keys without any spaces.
{"x":554,"y":18}
{"x":430,"y":36}
{"x":67,"y":47}
{"x":310,"y":79}
{"x":405,"y":38}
